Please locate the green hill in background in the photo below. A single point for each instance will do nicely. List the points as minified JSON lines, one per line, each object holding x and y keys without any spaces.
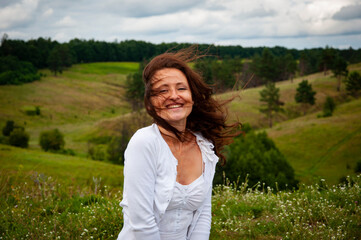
{"x":87,"y":98}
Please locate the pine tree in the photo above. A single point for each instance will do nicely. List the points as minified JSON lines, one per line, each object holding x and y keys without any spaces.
{"x":353,"y":83}
{"x":271,"y":103}
{"x":305,"y":95}
{"x":339,"y":69}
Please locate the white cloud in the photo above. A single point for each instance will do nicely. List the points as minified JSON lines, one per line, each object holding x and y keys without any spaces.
{"x":260,"y":22}
{"x":48,"y":12}
{"x":17,"y":13}
{"x":66,"y":21}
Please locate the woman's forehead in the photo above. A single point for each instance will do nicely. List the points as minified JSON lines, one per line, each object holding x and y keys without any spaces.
{"x":169,"y":76}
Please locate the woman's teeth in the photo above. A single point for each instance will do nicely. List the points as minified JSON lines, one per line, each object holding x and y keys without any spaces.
{"x":174,"y":106}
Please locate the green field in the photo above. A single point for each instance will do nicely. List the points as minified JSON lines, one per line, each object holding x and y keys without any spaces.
{"x":45,"y":195}
{"x":87,"y":99}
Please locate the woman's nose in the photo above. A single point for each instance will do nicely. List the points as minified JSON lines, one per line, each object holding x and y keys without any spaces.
{"x":173,"y":94}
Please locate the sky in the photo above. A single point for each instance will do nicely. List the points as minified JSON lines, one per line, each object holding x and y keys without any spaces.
{"x":296,"y":24}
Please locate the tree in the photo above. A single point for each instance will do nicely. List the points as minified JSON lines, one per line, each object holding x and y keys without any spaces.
{"x":339,"y":69}
{"x":328,"y":107}
{"x":13,"y":71}
{"x":118,"y":144}
{"x":305,"y":95}
{"x":271,"y":103}
{"x":59,"y":58}
{"x":19,"y":138}
{"x":52,"y":140}
{"x":255,"y":156}
{"x":265,"y":66}
{"x":135,"y":89}
{"x":290,"y":66}
{"x":353,"y":83}
{"x":326,"y":59}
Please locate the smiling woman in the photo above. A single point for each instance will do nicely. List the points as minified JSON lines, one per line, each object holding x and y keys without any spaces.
{"x":172,"y":97}
{"x":169,"y":166}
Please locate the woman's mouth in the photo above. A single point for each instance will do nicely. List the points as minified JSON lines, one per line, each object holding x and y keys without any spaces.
{"x":174,"y":106}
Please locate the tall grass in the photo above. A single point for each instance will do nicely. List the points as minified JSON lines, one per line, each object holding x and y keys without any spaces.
{"x":37,"y":207}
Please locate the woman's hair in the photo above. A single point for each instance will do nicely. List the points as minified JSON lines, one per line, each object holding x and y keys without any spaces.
{"x":208,"y":116}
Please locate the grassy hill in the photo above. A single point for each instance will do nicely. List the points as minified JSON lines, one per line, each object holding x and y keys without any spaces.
{"x":88,"y":98}
{"x":72,"y":102}
{"x":66,"y":170}
{"x":49,"y":196}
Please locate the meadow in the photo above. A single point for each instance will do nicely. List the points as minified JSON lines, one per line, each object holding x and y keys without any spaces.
{"x":61,"y":205}
{"x":46,"y":195}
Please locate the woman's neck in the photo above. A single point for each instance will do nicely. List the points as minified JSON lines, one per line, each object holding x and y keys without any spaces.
{"x":170,"y":136}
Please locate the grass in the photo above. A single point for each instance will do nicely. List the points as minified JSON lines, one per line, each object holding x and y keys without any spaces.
{"x":38,"y":207}
{"x":52,"y":196}
{"x":72,"y":102}
{"x":87,"y":100}
{"x":312,"y":212}
{"x":322,"y":147}
{"x":64,"y":169}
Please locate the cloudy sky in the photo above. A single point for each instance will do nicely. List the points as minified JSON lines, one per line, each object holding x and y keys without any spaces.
{"x":290,"y":23}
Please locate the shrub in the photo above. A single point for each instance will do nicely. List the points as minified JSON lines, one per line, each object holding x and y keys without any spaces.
{"x":116,"y":149}
{"x":358,"y":167}
{"x":8,"y":128}
{"x":328,"y":107}
{"x":255,"y":156}
{"x":52,"y":140}
{"x":19,"y":138}
{"x":13,"y":71}
{"x":97,"y":152}
{"x":32,"y":111}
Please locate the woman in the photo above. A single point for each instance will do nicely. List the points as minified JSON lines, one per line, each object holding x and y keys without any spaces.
{"x":169,"y":166}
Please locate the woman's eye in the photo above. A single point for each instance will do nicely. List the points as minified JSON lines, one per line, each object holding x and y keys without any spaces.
{"x":182,"y":88}
{"x":162,"y":91}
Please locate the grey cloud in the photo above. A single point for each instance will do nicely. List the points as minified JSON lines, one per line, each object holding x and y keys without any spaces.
{"x":348,"y":13}
{"x":139,"y":9}
{"x":256,"y":13}
{"x":5,"y":3}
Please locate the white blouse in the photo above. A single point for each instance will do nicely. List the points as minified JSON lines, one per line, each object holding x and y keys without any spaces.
{"x":179,"y":214}
{"x":150,"y":172}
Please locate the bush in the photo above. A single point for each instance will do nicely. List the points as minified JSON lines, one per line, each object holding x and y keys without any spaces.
{"x":19,"y":138}
{"x":97,"y":152}
{"x":8,"y":128}
{"x":358,"y":167}
{"x":256,"y":158}
{"x":116,"y":149}
{"x":13,"y":71}
{"x":32,"y":111}
{"x":52,"y":140}
{"x":328,"y":107}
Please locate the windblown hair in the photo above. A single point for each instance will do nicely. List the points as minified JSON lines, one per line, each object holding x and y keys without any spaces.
{"x":208,"y":115}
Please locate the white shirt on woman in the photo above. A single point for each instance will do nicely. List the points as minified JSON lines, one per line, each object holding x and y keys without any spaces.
{"x":150,"y":171}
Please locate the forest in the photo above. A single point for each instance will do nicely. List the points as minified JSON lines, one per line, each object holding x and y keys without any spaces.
{"x":222,"y":62}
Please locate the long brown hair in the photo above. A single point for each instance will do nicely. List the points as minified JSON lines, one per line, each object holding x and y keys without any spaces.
{"x":208,"y":115}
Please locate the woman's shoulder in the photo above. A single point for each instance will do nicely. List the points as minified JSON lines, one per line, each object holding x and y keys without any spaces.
{"x":145,"y":135}
{"x":206,"y":147}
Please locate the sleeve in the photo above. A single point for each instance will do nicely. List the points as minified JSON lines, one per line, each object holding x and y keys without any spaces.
{"x":202,"y":227}
{"x":139,"y":184}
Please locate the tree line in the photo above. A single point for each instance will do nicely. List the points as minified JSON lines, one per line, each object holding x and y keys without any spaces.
{"x":277,"y":63}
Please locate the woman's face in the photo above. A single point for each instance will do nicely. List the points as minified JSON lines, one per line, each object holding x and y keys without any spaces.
{"x":173,"y":97}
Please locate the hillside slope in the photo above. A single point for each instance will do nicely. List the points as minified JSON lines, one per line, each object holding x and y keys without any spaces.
{"x":68,"y":170}
{"x":71,"y":102}
{"x":322,"y":147}
{"x":88,"y":98}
